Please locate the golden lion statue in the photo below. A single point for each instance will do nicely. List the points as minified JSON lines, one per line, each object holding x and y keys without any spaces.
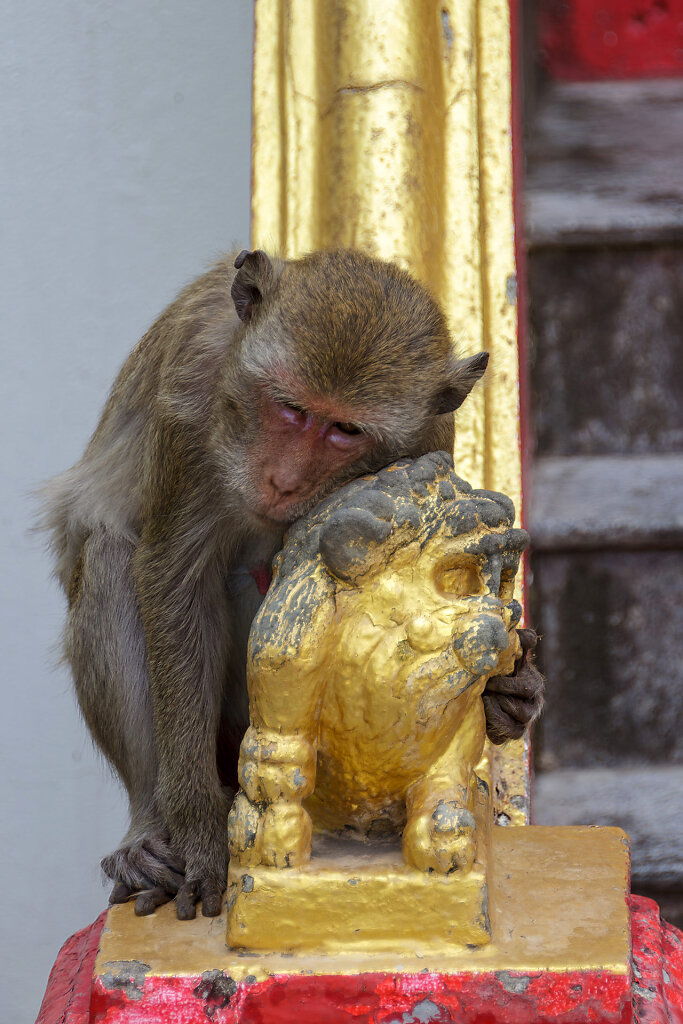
{"x":391,"y":606}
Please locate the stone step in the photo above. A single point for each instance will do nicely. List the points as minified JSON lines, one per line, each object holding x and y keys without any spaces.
{"x":647,"y":802}
{"x":606,"y":502}
{"x":604,"y":164}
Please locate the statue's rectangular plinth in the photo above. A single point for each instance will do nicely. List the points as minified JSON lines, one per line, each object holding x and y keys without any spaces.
{"x":355,"y":897}
{"x":560,"y":952}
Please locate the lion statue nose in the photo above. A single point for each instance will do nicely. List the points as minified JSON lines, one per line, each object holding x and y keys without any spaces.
{"x":481,"y":643}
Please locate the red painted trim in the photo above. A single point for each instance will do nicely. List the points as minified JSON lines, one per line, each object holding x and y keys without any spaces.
{"x":657,"y":965}
{"x":584,"y":40}
{"x":505,"y":998}
{"x":67,"y":996}
{"x":509,"y":997}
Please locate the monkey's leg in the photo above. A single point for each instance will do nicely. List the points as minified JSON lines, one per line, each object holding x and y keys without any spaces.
{"x":188,"y":642}
{"x":106,"y":648}
{"x":439,"y":833}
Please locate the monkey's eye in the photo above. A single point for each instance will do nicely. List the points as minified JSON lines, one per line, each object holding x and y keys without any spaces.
{"x":347,"y":428}
{"x":292,"y":413}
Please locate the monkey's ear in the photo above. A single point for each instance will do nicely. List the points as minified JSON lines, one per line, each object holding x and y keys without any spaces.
{"x":253,"y":279}
{"x":463,"y":377}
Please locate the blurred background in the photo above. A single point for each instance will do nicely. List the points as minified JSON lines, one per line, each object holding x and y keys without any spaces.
{"x":125,"y":149}
{"x":603,"y":124}
{"x":125,"y":134}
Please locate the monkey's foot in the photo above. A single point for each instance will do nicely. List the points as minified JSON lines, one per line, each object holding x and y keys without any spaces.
{"x":442,"y":841}
{"x":147,"y":869}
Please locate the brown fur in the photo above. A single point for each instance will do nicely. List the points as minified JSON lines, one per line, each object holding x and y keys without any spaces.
{"x":154,"y":529}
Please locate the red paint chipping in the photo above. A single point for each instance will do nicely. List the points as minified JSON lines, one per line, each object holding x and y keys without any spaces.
{"x":585,"y":40}
{"x":67,"y":996}
{"x":505,"y":997}
{"x":579,"y":997}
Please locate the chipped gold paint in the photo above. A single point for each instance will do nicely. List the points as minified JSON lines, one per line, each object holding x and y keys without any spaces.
{"x":367,"y":716}
{"x":361,"y":897}
{"x":560,"y":905}
{"x":385,"y":125}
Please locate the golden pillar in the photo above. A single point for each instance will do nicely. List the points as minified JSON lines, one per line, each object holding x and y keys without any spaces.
{"x":384,"y":125}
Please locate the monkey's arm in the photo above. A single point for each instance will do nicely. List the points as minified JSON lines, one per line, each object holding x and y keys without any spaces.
{"x":187,"y":638}
{"x":513,"y":702}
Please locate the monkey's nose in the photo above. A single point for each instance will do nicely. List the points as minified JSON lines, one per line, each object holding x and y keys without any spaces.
{"x":283,"y":485}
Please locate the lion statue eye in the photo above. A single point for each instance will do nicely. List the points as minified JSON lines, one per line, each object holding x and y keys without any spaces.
{"x":460,"y":578}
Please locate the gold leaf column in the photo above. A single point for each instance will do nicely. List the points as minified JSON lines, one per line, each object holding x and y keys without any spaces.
{"x":385,"y":125}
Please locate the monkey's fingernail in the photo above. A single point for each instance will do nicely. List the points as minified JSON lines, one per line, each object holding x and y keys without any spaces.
{"x":121,"y":893}
{"x":211,"y":905}
{"x":185,"y":912}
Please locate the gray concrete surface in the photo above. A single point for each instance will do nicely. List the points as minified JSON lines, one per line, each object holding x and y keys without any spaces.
{"x":125,"y":132}
{"x":601,"y":502}
{"x":646,"y":803}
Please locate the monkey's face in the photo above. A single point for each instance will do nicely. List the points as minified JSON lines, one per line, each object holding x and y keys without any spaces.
{"x":349,"y":362}
{"x":304,"y":449}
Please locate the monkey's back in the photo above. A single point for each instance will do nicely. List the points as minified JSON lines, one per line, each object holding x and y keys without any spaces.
{"x":168,"y":376}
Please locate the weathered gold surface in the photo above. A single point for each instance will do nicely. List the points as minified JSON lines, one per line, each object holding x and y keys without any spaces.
{"x":362,"y":897}
{"x":560,"y":905}
{"x":391,"y":606}
{"x":385,"y":125}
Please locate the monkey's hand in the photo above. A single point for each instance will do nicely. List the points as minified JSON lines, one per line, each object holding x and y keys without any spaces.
{"x":202,"y":839}
{"x":442,"y":840}
{"x":513,"y":702}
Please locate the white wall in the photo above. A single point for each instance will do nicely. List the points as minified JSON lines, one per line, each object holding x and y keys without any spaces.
{"x":124,"y":142}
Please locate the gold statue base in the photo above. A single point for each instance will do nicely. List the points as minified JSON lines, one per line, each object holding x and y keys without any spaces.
{"x":558,"y":904}
{"x":356,"y":895}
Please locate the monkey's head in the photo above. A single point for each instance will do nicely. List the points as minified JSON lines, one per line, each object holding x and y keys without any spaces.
{"x":349,"y":365}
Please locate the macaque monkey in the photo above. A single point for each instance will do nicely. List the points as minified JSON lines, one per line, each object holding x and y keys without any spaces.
{"x":264,"y":386}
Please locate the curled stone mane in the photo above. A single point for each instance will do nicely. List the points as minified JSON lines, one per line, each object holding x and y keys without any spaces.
{"x":356,"y":531}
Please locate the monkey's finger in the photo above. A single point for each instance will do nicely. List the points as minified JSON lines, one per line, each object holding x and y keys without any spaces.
{"x":147,"y":902}
{"x":160,"y":874}
{"x":186,"y":901}
{"x":528,"y":639}
{"x":122,"y":866}
{"x":522,"y":711}
{"x":212,"y":899}
{"x":500,"y":727}
{"x":121,"y":893}
{"x":527,"y":683}
{"x":162,"y":852}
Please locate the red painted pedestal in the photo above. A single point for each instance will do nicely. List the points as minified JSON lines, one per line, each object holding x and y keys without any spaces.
{"x":500,"y":998}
